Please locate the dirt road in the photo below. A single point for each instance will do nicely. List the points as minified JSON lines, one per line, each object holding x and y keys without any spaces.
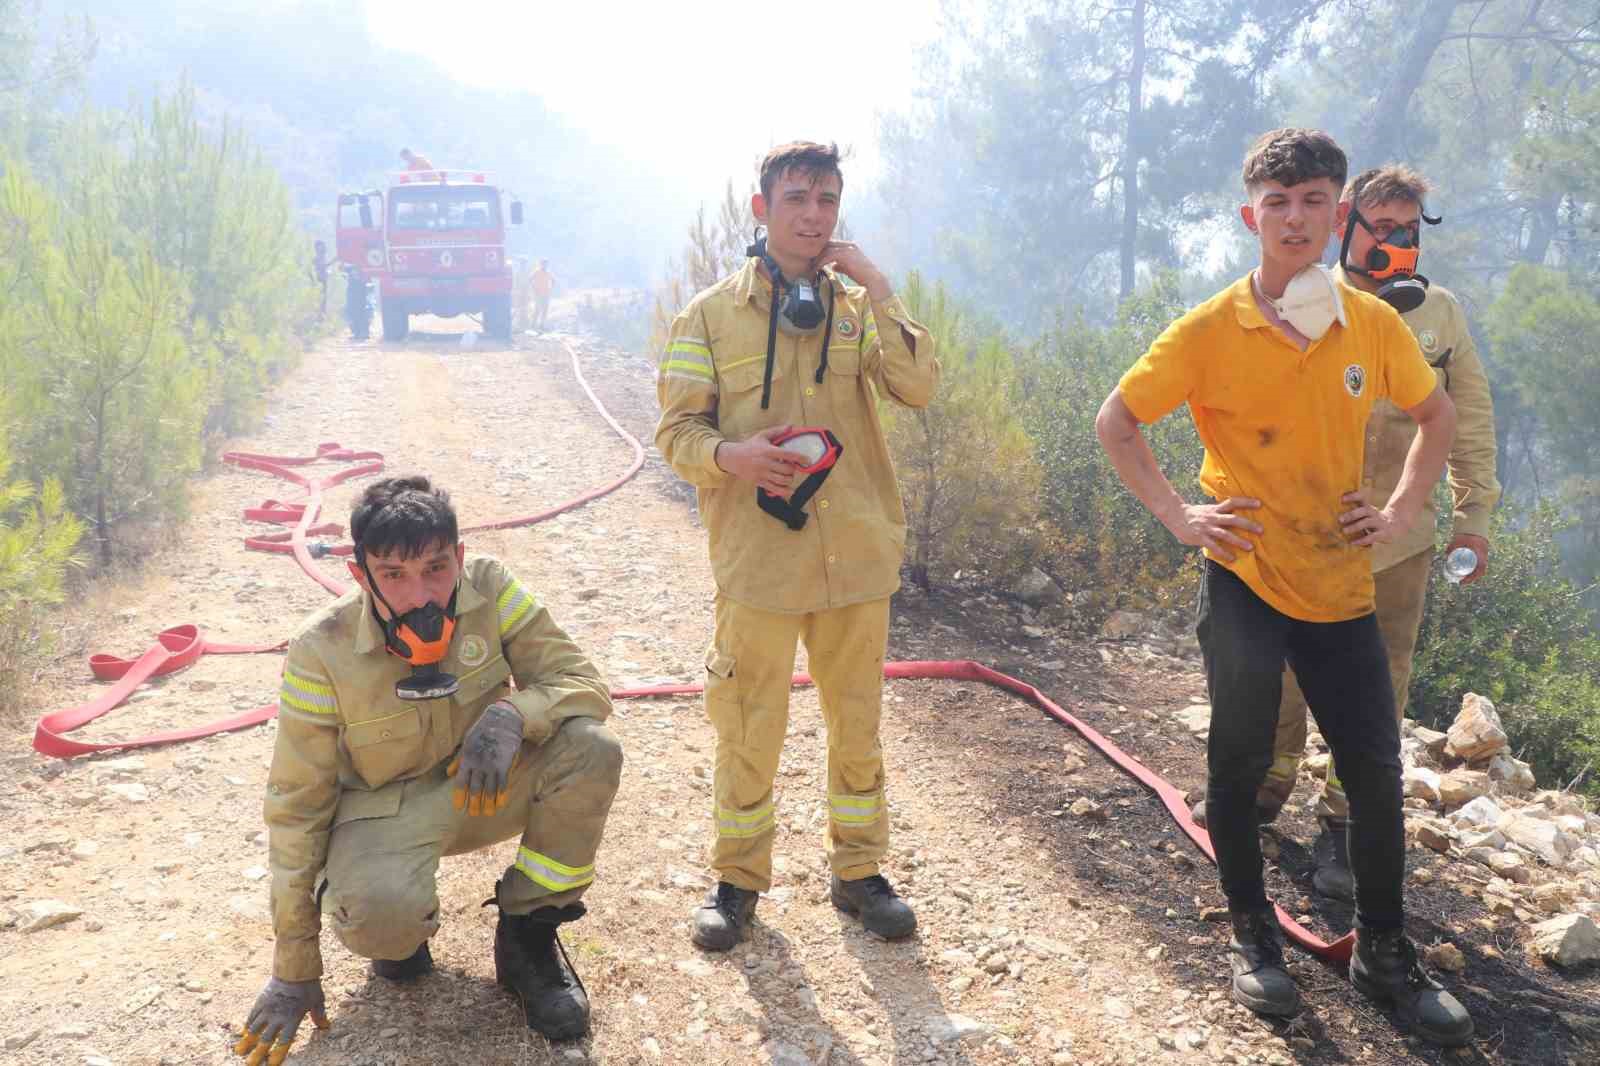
{"x":1046,"y":937}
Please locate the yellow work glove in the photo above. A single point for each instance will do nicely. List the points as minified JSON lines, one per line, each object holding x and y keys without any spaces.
{"x":276,"y":1017}
{"x":482,"y":768}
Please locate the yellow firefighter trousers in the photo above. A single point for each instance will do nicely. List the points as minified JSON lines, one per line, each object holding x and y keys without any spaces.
{"x":378,"y":885}
{"x":748,"y":671}
{"x":1402,"y":590}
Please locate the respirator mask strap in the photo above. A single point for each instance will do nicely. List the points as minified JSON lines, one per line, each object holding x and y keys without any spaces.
{"x":827,"y":330}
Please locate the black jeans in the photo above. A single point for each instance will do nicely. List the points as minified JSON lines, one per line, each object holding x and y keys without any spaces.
{"x":1344,"y":672}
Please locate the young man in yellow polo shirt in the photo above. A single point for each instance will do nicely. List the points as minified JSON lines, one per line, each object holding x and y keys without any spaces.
{"x":1280,"y":372}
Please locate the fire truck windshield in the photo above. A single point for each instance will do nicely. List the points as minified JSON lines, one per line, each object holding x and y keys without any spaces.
{"x":444,"y":208}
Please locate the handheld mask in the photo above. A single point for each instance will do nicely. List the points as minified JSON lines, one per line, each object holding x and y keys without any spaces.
{"x":1311,"y":302}
{"x":821,"y":451}
{"x":420,"y":636}
{"x":1392,"y":261}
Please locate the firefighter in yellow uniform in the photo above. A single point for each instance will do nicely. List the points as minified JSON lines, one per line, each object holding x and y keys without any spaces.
{"x":1386,"y":217}
{"x":806,"y":535}
{"x":380,"y":769}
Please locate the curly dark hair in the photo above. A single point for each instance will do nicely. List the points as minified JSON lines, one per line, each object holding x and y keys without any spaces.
{"x":405,"y":514}
{"x":1292,"y":155}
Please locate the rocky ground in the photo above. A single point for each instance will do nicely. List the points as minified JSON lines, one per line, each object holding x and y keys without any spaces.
{"x":133,"y":921}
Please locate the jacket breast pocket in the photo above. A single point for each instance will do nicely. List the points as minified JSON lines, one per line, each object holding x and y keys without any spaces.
{"x":844,"y":360}
{"x":482,"y":681}
{"x":383,"y":748}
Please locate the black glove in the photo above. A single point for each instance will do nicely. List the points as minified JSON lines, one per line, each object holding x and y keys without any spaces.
{"x":482,"y":768}
{"x":276,"y":1018}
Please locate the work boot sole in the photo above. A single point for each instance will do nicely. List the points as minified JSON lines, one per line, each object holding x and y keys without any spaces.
{"x":717,"y":941}
{"x":1378,"y":994}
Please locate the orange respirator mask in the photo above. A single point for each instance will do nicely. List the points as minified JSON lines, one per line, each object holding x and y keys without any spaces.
{"x":420,"y":636}
{"x":1392,"y":261}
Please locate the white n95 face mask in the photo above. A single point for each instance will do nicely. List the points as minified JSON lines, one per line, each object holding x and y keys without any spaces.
{"x":1311,"y":302}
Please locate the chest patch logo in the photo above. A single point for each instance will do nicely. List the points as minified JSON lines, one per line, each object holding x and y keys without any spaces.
{"x":1429,"y":340}
{"x":848,"y":328}
{"x":1355,"y":379}
{"x":474,"y":649}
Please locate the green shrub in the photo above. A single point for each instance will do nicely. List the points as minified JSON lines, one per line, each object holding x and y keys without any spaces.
{"x":1522,"y":637}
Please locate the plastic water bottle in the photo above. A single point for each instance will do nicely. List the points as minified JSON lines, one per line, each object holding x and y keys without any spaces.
{"x":1460,"y":564}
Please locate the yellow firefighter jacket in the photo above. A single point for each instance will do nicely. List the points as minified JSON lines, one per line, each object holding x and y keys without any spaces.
{"x":709,"y":385}
{"x":343,"y":733}
{"x":1440,"y":327}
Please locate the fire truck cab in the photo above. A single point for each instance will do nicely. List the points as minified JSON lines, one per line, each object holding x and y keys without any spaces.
{"x":434,"y":242}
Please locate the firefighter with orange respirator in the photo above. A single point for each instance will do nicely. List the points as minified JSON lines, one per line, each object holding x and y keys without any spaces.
{"x":401,"y":740}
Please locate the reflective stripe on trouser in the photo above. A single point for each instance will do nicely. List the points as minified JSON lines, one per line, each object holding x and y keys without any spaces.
{"x":748,"y":671}
{"x":1402,"y":590}
{"x":378,"y":888}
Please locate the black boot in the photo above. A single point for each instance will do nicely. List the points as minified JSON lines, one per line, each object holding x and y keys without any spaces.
{"x":1260,"y":981}
{"x":1265,"y":815}
{"x":530,"y":962}
{"x":408,"y":969}
{"x":1331,"y":854}
{"x":878,"y":906}
{"x":721,"y":920}
{"x":1385,"y":967}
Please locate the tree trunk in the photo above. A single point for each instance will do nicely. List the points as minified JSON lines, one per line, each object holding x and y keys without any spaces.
{"x":102,"y":531}
{"x":1130,"y":153}
{"x":1383,"y":133}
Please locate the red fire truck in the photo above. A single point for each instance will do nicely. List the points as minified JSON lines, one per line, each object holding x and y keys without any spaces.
{"x":434,"y":242}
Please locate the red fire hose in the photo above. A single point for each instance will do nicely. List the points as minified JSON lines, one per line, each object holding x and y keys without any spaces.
{"x":182,"y":645}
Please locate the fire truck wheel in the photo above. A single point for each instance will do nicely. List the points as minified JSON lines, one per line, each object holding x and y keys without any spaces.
{"x":497,"y":318}
{"x":396,"y":324}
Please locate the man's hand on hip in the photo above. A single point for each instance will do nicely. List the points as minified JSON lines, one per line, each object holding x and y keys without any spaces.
{"x":276,"y":1017}
{"x":482,"y":768}
{"x":757,"y":459}
{"x":1478,"y":544}
{"x":1365,"y":525}
{"x":1216,"y":525}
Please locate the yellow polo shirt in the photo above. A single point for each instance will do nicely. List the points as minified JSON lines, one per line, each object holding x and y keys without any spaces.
{"x":1288,"y":428}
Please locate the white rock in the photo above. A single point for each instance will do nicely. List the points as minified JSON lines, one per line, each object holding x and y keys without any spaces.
{"x":1512,"y":776}
{"x":1509,"y":865}
{"x":1196,"y":718}
{"x":43,"y":913}
{"x":693,"y":967}
{"x":1485,"y":838}
{"x":1433,"y":833}
{"x":1480,"y":813}
{"x":651,"y":1046}
{"x":255,"y":873}
{"x":85,"y":849}
{"x":249,"y":908}
{"x":129,"y":764}
{"x":950,"y":1028}
{"x":1544,"y":838}
{"x":1115,"y":1008}
{"x":957,"y":958}
{"x":21,"y":1039}
{"x":1476,"y":734}
{"x":1432,"y":740}
{"x":1422,"y":783}
{"x":141,"y":999}
{"x":1570,"y":940}
{"x":132,"y":792}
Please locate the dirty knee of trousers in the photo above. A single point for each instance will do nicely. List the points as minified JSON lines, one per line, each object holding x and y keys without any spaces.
{"x":383,"y":924}
{"x":596,"y":750}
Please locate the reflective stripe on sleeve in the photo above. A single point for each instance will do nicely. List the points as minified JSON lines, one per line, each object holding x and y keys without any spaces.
{"x":514,"y":605}
{"x":688,"y":357}
{"x":308,"y":694}
{"x":856,"y":810}
{"x":556,"y":876}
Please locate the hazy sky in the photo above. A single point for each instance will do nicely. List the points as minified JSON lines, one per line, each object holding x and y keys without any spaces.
{"x":680,"y":90}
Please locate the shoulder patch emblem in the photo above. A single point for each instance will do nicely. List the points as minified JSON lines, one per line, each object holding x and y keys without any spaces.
{"x":848,"y":328}
{"x":1355,"y":379}
{"x":1429,"y":340}
{"x":474,"y":649}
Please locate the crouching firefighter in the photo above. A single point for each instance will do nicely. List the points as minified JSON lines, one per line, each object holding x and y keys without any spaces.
{"x":399,"y":741}
{"x":768,"y":388}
